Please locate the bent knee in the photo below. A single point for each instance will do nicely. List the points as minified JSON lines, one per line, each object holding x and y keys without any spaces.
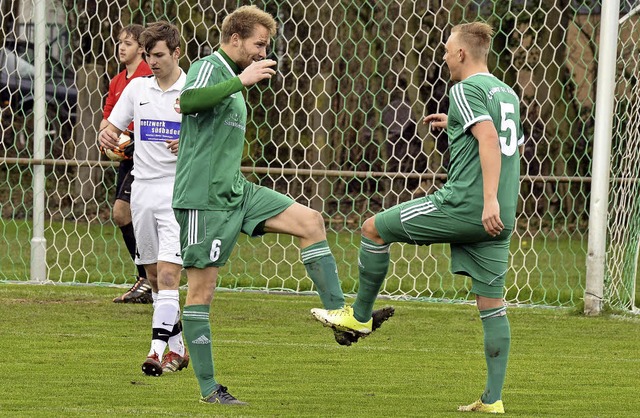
{"x":312,"y":225}
{"x":316,"y":220}
{"x":369,"y":230}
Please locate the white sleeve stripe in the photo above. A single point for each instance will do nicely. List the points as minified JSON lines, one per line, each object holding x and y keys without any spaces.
{"x":203,"y":75}
{"x":476,"y":120}
{"x":461,"y":102}
{"x":521,"y":140}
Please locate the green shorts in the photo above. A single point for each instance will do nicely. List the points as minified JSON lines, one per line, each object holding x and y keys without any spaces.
{"x":474,"y":252}
{"x":207,"y":237}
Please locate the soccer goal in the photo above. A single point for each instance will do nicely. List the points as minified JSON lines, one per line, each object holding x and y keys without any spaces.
{"x":337,"y":129}
{"x":612,"y":280}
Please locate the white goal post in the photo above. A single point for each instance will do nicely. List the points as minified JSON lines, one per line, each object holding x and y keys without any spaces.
{"x":614,"y":223}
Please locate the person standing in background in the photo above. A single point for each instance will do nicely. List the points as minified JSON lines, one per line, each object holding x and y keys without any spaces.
{"x":131,"y":55}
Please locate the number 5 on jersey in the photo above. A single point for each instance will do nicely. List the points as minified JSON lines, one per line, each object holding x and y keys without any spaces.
{"x":508,"y":144}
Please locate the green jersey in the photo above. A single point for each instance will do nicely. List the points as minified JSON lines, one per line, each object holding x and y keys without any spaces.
{"x":214,"y":117}
{"x":481,"y":97}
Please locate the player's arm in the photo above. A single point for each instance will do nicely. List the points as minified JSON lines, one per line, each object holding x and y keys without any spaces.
{"x":120,"y":117}
{"x":490,"y":162}
{"x":103,"y":124}
{"x":437,"y":121}
{"x":109,"y":136}
{"x":195,"y":99}
{"x":109,"y":103}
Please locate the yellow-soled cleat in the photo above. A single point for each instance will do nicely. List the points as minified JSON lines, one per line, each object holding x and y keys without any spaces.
{"x":478,"y":406}
{"x":342,"y":320}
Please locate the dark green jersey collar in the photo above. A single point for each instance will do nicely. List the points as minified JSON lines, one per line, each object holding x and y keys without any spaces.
{"x":232,"y":64}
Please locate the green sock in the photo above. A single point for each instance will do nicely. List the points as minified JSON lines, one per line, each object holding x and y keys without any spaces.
{"x":197,"y":333}
{"x":321,"y":267}
{"x":373,"y":264}
{"x":497,"y":340}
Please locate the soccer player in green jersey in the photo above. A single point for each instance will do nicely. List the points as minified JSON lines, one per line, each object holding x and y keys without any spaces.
{"x":214,"y":203}
{"x":474,"y":212}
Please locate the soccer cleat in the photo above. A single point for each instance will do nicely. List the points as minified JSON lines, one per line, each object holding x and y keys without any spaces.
{"x":478,"y":406}
{"x":174,"y":362}
{"x":140,"y":292}
{"x":221,"y":396}
{"x":152,"y":365}
{"x":378,"y":317}
{"x":342,"y":320}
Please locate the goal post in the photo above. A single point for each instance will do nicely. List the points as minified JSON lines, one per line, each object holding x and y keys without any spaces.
{"x":38,"y":240}
{"x":614,"y":223}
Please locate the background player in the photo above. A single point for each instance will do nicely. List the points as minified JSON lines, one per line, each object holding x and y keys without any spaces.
{"x":149,"y":101}
{"x":474,"y":212}
{"x":131,"y":55}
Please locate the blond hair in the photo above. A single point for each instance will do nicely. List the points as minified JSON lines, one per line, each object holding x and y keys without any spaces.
{"x":476,"y":36}
{"x":243,"y":21}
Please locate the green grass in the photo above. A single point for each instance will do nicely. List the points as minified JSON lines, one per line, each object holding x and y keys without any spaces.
{"x":544,"y":270}
{"x":69,"y":351}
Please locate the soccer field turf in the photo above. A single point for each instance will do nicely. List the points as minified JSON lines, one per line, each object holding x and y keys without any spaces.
{"x":70,"y":351}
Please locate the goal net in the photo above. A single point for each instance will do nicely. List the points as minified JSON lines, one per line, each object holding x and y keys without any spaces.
{"x":338,"y":129}
{"x":623,"y":247}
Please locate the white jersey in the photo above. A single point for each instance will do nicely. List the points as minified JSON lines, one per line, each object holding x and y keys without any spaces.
{"x":155,"y":121}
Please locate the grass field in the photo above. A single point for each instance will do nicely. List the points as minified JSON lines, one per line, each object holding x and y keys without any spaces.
{"x":69,"y":351}
{"x":548,"y":270}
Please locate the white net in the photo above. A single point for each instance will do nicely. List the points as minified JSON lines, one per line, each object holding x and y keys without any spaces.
{"x":338,"y":129}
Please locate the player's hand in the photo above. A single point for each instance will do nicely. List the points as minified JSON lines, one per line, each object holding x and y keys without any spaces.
{"x":172,"y":145}
{"x":491,"y":218}
{"x":437,"y":120}
{"x":257,"y":71}
{"x":108,"y":139}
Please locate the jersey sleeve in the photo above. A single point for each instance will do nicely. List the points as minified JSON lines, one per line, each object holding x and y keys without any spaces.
{"x":122,"y":113}
{"x":110,"y":101}
{"x":469,"y":105}
{"x":205,"y":88}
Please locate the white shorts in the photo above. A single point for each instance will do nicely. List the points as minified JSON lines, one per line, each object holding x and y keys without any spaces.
{"x":154,"y":224}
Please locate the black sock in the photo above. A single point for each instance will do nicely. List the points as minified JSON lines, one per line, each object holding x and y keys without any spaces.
{"x":130,"y":241}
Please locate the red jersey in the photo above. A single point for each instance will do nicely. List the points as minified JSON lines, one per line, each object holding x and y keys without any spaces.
{"x":117,"y":85}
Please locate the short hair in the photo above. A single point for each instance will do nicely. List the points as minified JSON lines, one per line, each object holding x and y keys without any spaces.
{"x":160,"y":31}
{"x":243,"y":21}
{"x":134,"y":30}
{"x":476,"y":36}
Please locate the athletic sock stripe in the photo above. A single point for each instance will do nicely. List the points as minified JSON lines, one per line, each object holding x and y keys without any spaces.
{"x":195,"y":315}
{"x":307,"y":255}
{"x":499,"y":312}
{"x":375,"y":248}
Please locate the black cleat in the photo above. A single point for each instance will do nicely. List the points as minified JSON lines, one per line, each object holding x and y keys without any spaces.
{"x":221,"y":396}
{"x":379,"y":317}
{"x":140,"y":292}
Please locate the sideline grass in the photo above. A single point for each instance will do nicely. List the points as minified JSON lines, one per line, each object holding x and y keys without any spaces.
{"x":548,"y":270}
{"x":70,"y":351}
